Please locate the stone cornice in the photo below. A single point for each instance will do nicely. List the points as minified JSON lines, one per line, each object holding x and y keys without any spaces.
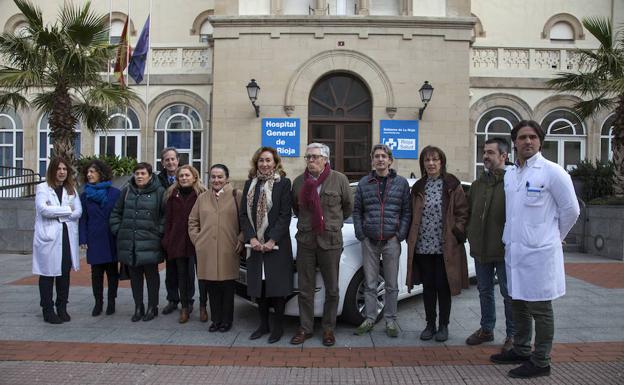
{"x":464,"y":23}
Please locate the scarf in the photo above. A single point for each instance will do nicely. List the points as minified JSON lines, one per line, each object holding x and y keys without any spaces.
{"x":98,"y":192}
{"x":309,"y":197}
{"x":265,"y":202}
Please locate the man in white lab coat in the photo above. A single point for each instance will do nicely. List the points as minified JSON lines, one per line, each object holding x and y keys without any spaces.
{"x":541,"y":207}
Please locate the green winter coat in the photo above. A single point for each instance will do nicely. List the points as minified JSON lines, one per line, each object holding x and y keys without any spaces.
{"x":486,"y":202}
{"x":138,"y":222}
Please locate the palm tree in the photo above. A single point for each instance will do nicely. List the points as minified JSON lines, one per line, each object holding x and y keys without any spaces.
{"x":57,"y":69}
{"x":600,"y":82}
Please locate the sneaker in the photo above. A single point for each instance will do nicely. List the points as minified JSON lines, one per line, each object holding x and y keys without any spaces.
{"x":391,"y":329}
{"x":508,"y":344}
{"x":428,"y":333}
{"x":508,"y":357}
{"x":479,"y":337}
{"x":364,"y":327}
{"x":529,"y":370}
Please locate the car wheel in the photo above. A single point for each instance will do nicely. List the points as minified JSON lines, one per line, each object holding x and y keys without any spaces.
{"x":353,"y":306}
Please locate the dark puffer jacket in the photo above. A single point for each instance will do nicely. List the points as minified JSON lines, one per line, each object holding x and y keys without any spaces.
{"x":138,"y":221}
{"x":379,"y":220}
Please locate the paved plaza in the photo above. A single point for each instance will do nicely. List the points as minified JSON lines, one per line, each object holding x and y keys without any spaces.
{"x":589,"y":340}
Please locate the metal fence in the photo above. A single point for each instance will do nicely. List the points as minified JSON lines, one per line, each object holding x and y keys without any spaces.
{"x":18,"y":182}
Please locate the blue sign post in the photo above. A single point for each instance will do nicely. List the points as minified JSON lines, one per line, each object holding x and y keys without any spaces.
{"x":401,"y":136}
{"x":282,"y":134}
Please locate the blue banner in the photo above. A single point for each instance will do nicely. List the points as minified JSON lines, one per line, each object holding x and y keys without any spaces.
{"x":282,"y":134}
{"x":401,"y":136}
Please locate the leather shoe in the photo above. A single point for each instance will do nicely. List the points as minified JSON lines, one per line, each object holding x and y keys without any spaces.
{"x":213,"y":327}
{"x":51,"y":317}
{"x":97,"y":309}
{"x":300,"y":337}
{"x":184,"y":315}
{"x":529,"y":370}
{"x":110,"y":308}
{"x":428,"y":333}
{"x":152,"y":312}
{"x":328,"y":338}
{"x":225,"y":327}
{"x":442,"y":334}
{"x":62,"y":313}
{"x":203,"y":314}
{"x":509,"y":357}
{"x":171,"y":306}
{"x":139,"y":312}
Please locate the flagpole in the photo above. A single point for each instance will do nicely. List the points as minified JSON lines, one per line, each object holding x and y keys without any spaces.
{"x":148,"y":63}
{"x":125,"y":141}
{"x":108,"y":73}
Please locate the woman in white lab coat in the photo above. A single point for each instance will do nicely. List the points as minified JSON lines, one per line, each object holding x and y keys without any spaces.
{"x":55,"y":242}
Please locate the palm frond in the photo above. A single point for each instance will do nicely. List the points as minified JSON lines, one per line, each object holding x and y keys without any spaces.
{"x":110,"y":95}
{"x":16,"y":78}
{"x":601,"y":29}
{"x":94,"y":117}
{"x":587,"y":108}
{"x":44,"y":101}
{"x":82,"y":26}
{"x":15,"y":100}
{"x":32,"y":13}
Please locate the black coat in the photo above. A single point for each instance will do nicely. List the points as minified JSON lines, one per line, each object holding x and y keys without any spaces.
{"x":138,"y":222}
{"x":278,"y":264}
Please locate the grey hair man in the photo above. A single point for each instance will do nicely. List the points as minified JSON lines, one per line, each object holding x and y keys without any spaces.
{"x":486,"y":205}
{"x":381,"y":218}
{"x":322,"y":201}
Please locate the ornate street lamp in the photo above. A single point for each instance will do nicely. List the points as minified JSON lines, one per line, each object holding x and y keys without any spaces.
{"x":252,"y":91}
{"x":426,"y":91}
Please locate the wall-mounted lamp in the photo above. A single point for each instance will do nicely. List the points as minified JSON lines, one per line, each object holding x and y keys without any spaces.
{"x":252,"y":91}
{"x":426,"y":91}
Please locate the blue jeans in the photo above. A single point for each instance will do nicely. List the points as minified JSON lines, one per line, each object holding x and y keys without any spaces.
{"x":485,"y":284}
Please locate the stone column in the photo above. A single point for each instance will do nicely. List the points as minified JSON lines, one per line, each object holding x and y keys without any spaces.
{"x":363,"y":7}
{"x":406,"y":7}
{"x":276,"y":7}
{"x":320,"y":7}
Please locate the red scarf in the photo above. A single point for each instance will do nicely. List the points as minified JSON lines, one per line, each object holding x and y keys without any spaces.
{"x":309,"y":197}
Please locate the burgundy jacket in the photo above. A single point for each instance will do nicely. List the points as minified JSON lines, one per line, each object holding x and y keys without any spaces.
{"x":176,"y":241}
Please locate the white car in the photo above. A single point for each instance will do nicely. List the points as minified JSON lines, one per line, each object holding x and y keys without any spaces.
{"x":351,"y":277}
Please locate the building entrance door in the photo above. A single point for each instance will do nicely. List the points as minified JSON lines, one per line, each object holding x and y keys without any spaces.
{"x":340,"y":113}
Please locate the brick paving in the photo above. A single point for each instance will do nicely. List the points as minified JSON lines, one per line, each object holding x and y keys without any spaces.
{"x":188,"y":355}
{"x":607,"y":275}
{"x":49,"y":373}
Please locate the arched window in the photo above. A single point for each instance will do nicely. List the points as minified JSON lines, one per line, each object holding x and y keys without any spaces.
{"x":180,"y":126}
{"x":21,"y":30}
{"x":116,"y":29}
{"x":11,"y":140}
{"x":123,"y":138}
{"x":205,"y":31}
{"x":562,"y":31}
{"x":606,"y":136}
{"x":495,"y":123}
{"x":46,"y":143}
{"x":565,"y":138}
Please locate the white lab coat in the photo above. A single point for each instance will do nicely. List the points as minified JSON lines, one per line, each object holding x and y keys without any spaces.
{"x":541,"y":208}
{"x":48,"y":236}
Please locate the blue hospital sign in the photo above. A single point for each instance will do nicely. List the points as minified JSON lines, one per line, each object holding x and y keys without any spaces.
{"x":401,"y":136}
{"x":281,"y":134}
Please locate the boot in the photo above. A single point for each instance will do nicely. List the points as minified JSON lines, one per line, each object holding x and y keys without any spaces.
{"x":97,"y":309}
{"x":203,"y":313}
{"x":50,"y":316}
{"x":61,"y":310}
{"x":263,"y":310}
{"x":151,"y":313}
{"x":139,"y":312}
{"x":277,"y":329}
{"x":184,"y":315}
{"x":110,"y":307}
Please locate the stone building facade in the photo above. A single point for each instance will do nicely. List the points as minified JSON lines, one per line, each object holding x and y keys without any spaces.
{"x":341,"y":67}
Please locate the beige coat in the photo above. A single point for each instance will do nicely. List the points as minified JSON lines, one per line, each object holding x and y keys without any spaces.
{"x":213,"y":229}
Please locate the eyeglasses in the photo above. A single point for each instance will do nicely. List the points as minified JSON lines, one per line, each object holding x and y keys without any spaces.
{"x":309,"y":157}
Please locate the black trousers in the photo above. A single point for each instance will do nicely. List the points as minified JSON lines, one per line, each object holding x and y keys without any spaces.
{"x":221,"y":295}
{"x":436,"y":289}
{"x":46,"y":284}
{"x":172,"y":279}
{"x":203,"y":292}
{"x":97,"y":280}
{"x":150,"y":272}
